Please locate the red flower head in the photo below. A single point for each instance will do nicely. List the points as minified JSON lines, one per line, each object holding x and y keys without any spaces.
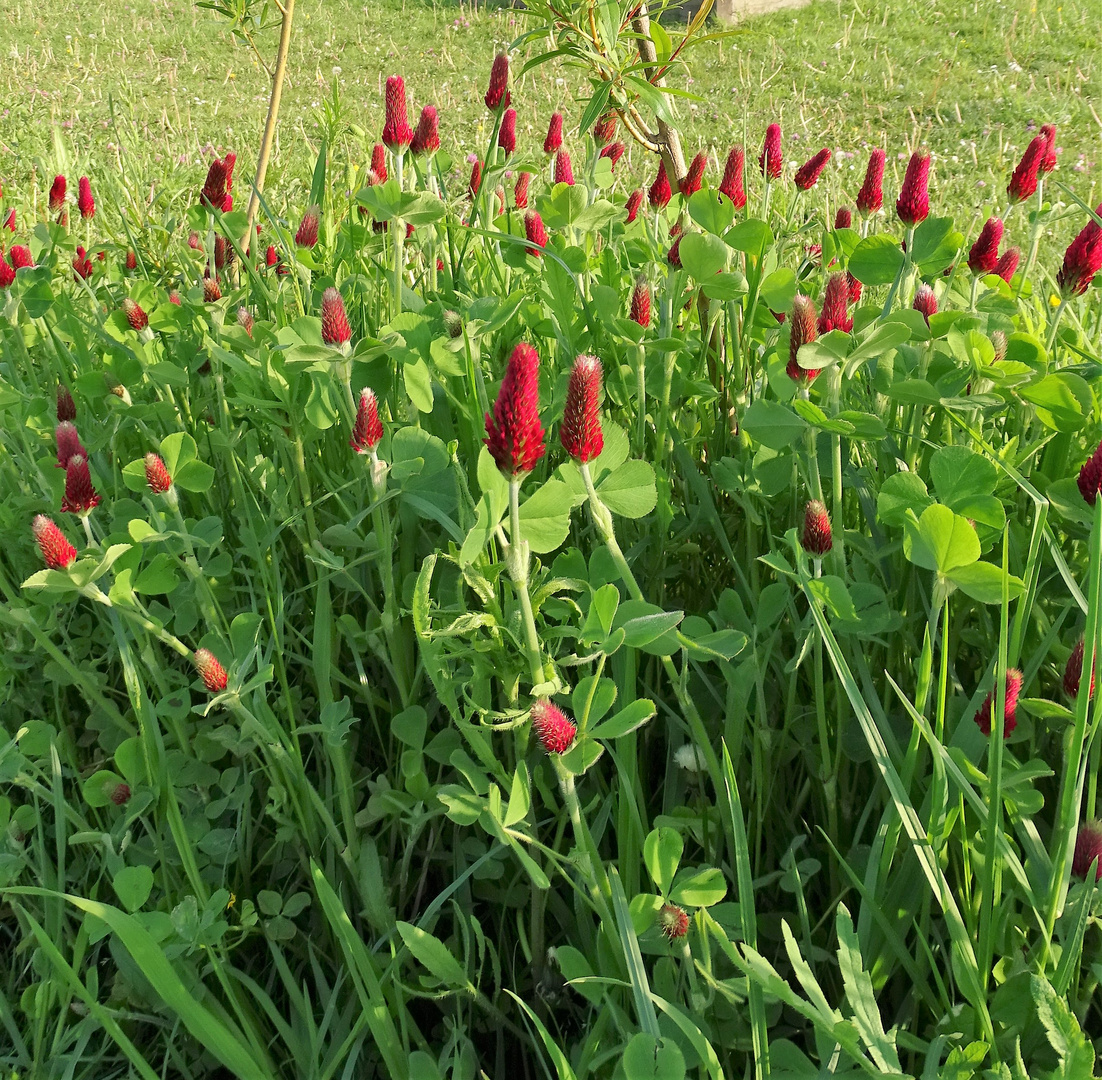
{"x":673,"y":256}
{"x":57,"y":552}
{"x":520,"y":192}
{"x":1073,"y":673}
{"x":673,"y":921}
{"x":1023,"y":181}
{"x":174,"y":298}
{"x":1082,"y":260}
{"x":771,"y":161}
{"x":82,"y":265}
{"x":66,"y":407}
{"x":498,"y":94}
{"x":635,"y":201}
{"x":20,"y":256}
{"x":614,"y":151}
{"x":368,"y":429}
{"x":835,"y":314}
{"x":817,"y":538}
{"x":1088,"y":847}
{"x":334,"y":323}
{"x":871,"y":196}
{"x":245,"y":319}
{"x":119,"y":794}
{"x":507,"y":133}
{"x":843,"y":218}
{"x":426,"y":138}
{"x":1090,"y":477}
{"x":692,"y":180}
{"x":271,"y":257}
{"x":194,"y":242}
{"x":803,"y":331}
{"x":733,"y":185}
{"x":156,"y":474}
{"x":7,"y":274}
{"x":68,"y":443}
{"x":925,"y":301}
{"x":217,"y":184}
{"x":57,"y":194}
{"x":640,"y":302}
{"x":564,"y":174}
{"x":660,"y":192}
{"x":514,"y":435}
{"x":307,"y":235}
{"x":212,"y":291}
{"x":605,"y":129}
{"x":80,"y":496}
{"x":854,"y":288}
{"x":134,"y":315}
{"x":475,"y":181}
{"x":210,"y":671}
{"x":131,"y":260}
{"x":553,"y":140}
{"x":85,"y":203}
{"x":983,"y":256}
{"x":1048,"y":162}
{"x":378,"y":163}
{"x":1008,"y":263}
{"x":580,"y":431}
{"x":554,"y":729}
{"x":1010,"y":705}
{"x":535,"y":233}
{"x":224,"y":253}
{"x":807,"y":175}
{"x":396,"y":130}
{"x":913,"y":204}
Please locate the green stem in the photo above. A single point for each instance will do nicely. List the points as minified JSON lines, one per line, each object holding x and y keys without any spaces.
{"x":398,"y":231}
{"x":517,"y":560}
{"x":1055,"y":324}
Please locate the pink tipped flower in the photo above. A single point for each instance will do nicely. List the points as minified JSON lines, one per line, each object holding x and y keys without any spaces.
{"x":1082,"y":260}
{"x":212,"y":290}
{"x":307,"y":235}
{"x":660,"y":192}
{"x":7,"y":274}
{"x":554,"y":729}
{"x":854,"y":288}
{"x":119,"y":794}
{"x":66,"y":406}
{"x":580,"y":431}
{"x":20,"y":256}
{"x":1073,"y":672}
{"x":983,"y":256}
{"x":475,"y":182}
{"x":803,"y":331}
{"x":397,"y":134}
{"x":564,"y":174}
{"x":194,"y":242}
{"x":843,"y":218}
{"x":378,"y":163}
{"x":604,"y":129}
{"x":640,"y":302}
{"x":80,"y":496}
{"x":635,"y":201}
{"x":733,"y":184}
{"x":85,"y":203}
{"x":520,"y":192}
{"x":1088,"y":848}
{"x":1010,"y":705}
{"x":368,"y":429}
{"x":68,"y":443}
{"x":553,"y":140}
{"x":57,"y":194}
{"x":1048,"y":162}
{"x":535,"y":233}
{"x":694,"y":178}
{"x":497,"y":95}
{"x":817,"y":538}
{"x":871,"y":196}
{"x":57,"y":552}
{"x":82,"y":265}
{"x":1090,"y":477}
{"x":771,"y":162}
{"x":913,"y":204}
{"x":334,"y":323}
{"x":426,"y":138}
{"x":673,"y":256}
{"x":156,"y":474}
{"x":514,"y":435}
{"x":507,"y":134}
{"x":835,"y":313}
{"x":135,"y":315}
{"x":614,"y":151}
{"x":174,"y":298}
{"x":1008,"y":263}
{"x":925,"y":301}
{"x":807,"y":175}
{"x":1023,"y":181}
{"x":210,"y":671}
{"x":673,"y":921}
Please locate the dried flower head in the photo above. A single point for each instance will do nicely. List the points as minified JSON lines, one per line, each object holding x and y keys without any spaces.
{"x":803,"y":324}
{"x":871,"y":196}
{"x":497,"y":94}
{"x":983,"y":256}
{"x":57,"y":193}
{"x":925,"y":301}
{"x":817,"y":538}
{"x":507,"y":133}
{"x":156,"y":474}
{"x":563,"y":172}
{"x":224,"y":253}
{"x":307,"y":234}
{"x":1023,"y":181}
{"x":1012,"y":688}
{"x":368,"y":429}
{"x":246,"y":320}
{"x":635,"y":201}
{"x":553,"y":140}
{"x":119,"y":793}
{"x":913,"y":204}
{"x":580,"y":431}
{"x":673,"y":921}
{"x":673,"y":256}
{"x":660,"y":192}
{"x":554,"y":729}
{"x":835,"y":313}
{"x":1090,"y":477}
{"x":535,"y":233}
{"x":135,"y":315}
{"x":514,"y":435}
{"x":641,"y":302}
{"x":397,"y":134}
{"x":693,"y":179}
{"x":1082,"y":260}
{"x":771,"y":161}
{"x":57,"y":552}
{"x":85,"y":203}
{"x":1088,"y":848}
{"x":733,"y":184}
{"x":334,"y":322}
{"x":80,"y":496}
{"x":807,"y":175}
{"x":426,"y":137}
{"x":210,"y":671}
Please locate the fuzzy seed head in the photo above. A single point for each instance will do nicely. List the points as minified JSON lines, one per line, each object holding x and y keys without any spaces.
{"x":66,"y":407}
{"x":520,"y":192}
{"x":80,"y":496}
{"x":807,"y":176}
{"x":135,"y":315}
{"x":514,"y":435}
{"x":397,"y":134}
{"x":913,"y":204}
{"x":817,"y":538}
{"x":57,"y":194}
{"x":57,"y":552}
{"x":871,"y":196}
{"x":453,"y":323}
{"x":835,"y":314}
{"x":334,"y":323}
{"x":733,"y":184}
{"x":507,"y":133}
{"x":554,"y":729}
{"x":1048,"y":162}
{"x":771,"y":161}
{"x":85,"y":203}
{"x":693,"y":179}
{"x":194,"y":242}
{"x":307,"y":234}
{"x":426,"y":137}
{"x":156,"y":474}
{"x":1010,"y":705}
{"x":803,"y":324}
{"x":564,"y":173}
{"x":635,"y":201}
{"x":1090,"y":477}
{"x":1082,"y":260}
{"x":580,"y":431}
{"x":673,"y":921}
{"x":535,"y":233}
{"x":1088,"y":848}
{"x":641,"y":302}
{"x":368,"y":429}
{"x":660,"y":192}
{"x":925,"y":301}
{"x":983,"y":256}
{"x":497,"y":94}
{"x":68,"y":443}
{"x":210,"y":671}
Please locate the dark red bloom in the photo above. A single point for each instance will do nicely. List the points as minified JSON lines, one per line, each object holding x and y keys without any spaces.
{"x":803,"y":331}
{"x":119,"y":794}
{"x":660,"y":192}
{"x":554,"y":729}
{"x":82,"y":265}
{"x":1010,"y":705}
{"x":871,"y":196}
{"x":1088,"y":847}
{"x":580,"y":431}
{"x":925,"y":301}
{"x":807,"y":175}
{"x":80,"y":496}
{"x":1008,"y":263}
{"x":983,"y":256}
{"x":85,"y":203}
{"x":535,"y":233}
{"x":307,"y":235}
{"x":614,"y":151}
{"x":397,"y":134}
{"x":334,"y":323}
{"x":57,"y":193}
{"x":1023,"y":181}
{"x":131,"y":260}
{"x":426,"y":137}
{"x":217,"y":185}
{"x":673,"y":921}
{"x":57,"y":552}
{"x":507,"y":133}
{"x":733,"y":185}
{"x":553,"y":140}
{"x":913,"y":204}
{"x":368,"y":429}
{"x":7,"y":274}
{"x":635,"y":201}
{"x":66,"y":407}
{"x":68,"y":443}
{"x":156,"y":474}
{"x":640,"y":302}
{"x":378,"y":164}
{"x":514,"y":435}
{"x":210,"y":671}
{"x":20,"y":256}
{"x":770,"y":161}
{"x":673,"y":256}
{"x":212,"y":290}
{"x":605,"y":129}
{"x":1090,"y":477}
{"x":224,"y":253}
{"x":475,"y":182}
{"x":854,"y":288}
{"x":520,"y":192}
{"x":498,"y":94}
{"x":1082,"y":260}
{"x":835,"y":311}
{"x":843,"y":218}
{"x":817,"y":538}
{"x":692,"y":180}
{"x":1048,"y":162}
{"x":564,"y":174}
{"x":271,"y":257}
{"x":135,"y":315}
{"x":1073,"y":672}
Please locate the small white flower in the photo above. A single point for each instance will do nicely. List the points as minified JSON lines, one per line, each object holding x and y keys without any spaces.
{"x":689,"y":758}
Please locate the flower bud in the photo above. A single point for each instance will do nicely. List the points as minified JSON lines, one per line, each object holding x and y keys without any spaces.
{"x":580,"y":431}
{"x":156,"y":474}
{"x":554,"y":729}
{"x":817,"y":538}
